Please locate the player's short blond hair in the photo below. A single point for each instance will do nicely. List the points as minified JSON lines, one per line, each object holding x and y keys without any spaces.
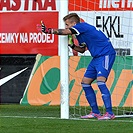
{"x":73,"y":17}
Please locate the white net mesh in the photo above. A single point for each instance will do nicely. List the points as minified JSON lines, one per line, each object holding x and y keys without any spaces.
{"x":115,"y":19}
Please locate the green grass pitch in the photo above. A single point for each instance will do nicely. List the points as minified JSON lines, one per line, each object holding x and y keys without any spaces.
{"x":46,"y":119}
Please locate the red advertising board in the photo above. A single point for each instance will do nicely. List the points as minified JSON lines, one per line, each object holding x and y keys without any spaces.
{"x":100,"y":5}
{"x":18,"y":33}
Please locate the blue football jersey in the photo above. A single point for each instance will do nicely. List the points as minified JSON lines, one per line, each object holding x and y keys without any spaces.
{"x":96,"y":41}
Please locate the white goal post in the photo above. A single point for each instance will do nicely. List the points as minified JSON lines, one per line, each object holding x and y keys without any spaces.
{"x":63,"y":50}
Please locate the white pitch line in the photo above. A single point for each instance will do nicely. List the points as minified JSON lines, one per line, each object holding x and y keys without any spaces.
{"x":36,"y":117}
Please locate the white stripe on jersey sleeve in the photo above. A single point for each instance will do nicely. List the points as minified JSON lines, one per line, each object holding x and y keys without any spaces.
{"x":76,"y":31}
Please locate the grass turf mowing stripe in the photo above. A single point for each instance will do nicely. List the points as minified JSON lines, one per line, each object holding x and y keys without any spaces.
{"x":46,"y":119}
{"x":28,"y":124}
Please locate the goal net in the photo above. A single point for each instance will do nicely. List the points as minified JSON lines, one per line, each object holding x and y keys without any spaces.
{"x":115,"y":19}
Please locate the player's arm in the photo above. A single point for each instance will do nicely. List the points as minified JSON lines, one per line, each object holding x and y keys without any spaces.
{"x":61,"y":32}
{"x":70,"y":31}
{"x":81,"y":48}
{"x":42,"y":28}
{"x":71,"y":43}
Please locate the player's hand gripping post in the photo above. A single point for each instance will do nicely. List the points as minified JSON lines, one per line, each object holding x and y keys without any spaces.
{"x":70,"y":42}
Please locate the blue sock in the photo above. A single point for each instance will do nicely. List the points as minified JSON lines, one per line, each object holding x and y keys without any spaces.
{"x":105,"y":96}
{"x":91,"y":97}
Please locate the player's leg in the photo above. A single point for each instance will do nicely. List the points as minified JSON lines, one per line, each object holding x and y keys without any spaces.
{"x":101,"y":82}
{"x":89,"y":77}
{"x":103,"y":70}
{"x":106,"y":98}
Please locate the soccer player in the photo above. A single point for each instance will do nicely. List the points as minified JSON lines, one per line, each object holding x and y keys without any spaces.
{"x":99,"y":68}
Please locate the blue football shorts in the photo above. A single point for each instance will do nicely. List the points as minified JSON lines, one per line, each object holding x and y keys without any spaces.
{"x":100,"y":66}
